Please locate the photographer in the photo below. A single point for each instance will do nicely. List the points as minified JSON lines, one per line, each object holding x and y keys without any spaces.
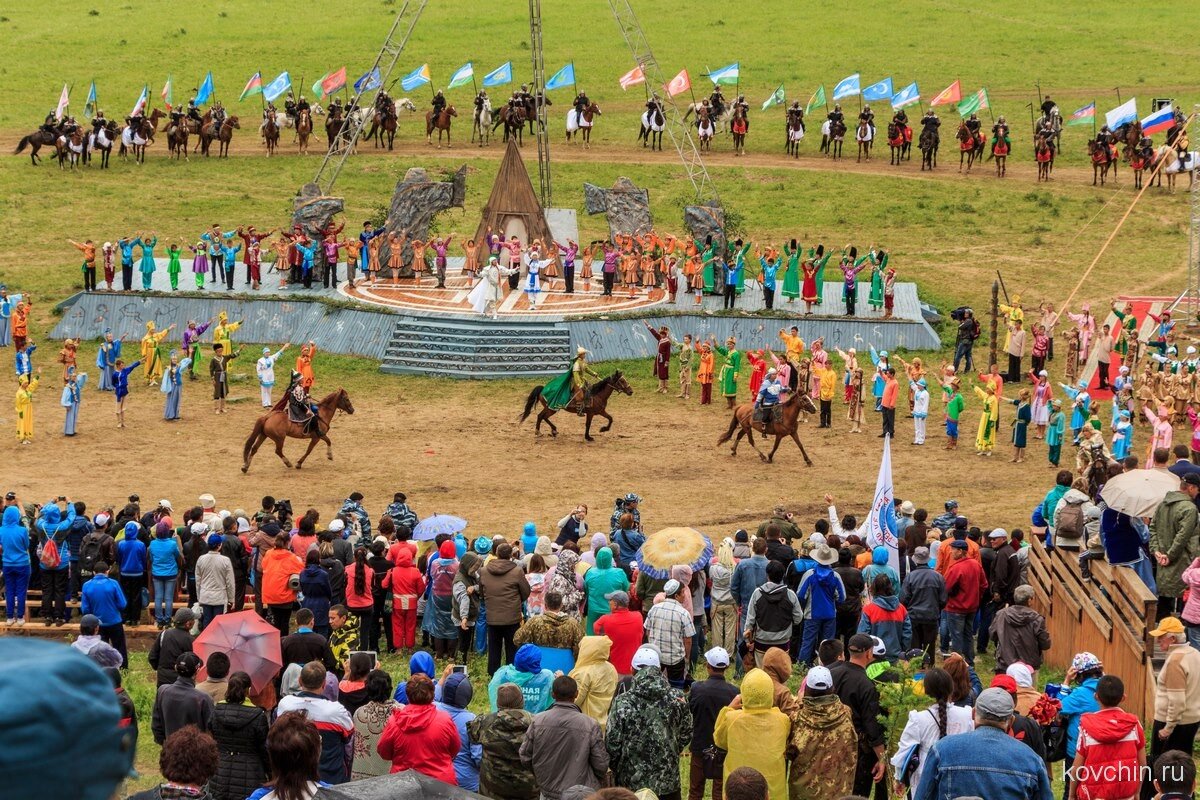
{"x":968,"y":332}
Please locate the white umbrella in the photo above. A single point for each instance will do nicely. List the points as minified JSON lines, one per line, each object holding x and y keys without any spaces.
{"x":1139,"y":492}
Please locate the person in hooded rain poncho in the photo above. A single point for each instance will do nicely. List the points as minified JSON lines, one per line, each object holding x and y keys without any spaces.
{"x":756,"y":735}
{"x":456,"y":691}
{"x":596,"y":677}
{"x":421,"y":663}
{"x":648,"y":727}
{"x":527,"y":673}
{"x":599,"y":582}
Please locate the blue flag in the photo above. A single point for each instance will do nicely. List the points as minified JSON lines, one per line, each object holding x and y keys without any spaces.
{"x":499,"y":76}
{"x":878,"y":91}
{"x":367,"y":82}
{"x":205,"y":92}
{"x":907,"y":96}
{"x":563,"y":77}
{"x":847,"y":87}
{"x":89,"y":105}
{"x":277,"y":87}
{"x":418,"y":77}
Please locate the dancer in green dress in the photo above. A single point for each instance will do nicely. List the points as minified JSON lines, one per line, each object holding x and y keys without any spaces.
{"x":878,"y":264}
{"x":147,"y":263}
{"x":730,"y":368}
{"x":173,"y":253}
{"x":791,"y":275}
{"x":708,"y":254}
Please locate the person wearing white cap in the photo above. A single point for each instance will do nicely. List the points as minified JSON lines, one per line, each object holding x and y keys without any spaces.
{"x":265,"y":369}
{"x":706,"y":698}
{"x":208,"y":511}
{"x":823,"y":740}
{"x":669,"y":627}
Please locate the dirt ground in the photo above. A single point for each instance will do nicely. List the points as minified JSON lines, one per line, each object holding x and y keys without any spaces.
{"x":459,"y":449}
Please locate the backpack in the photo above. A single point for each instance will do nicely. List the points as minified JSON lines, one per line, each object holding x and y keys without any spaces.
{"x":1069,"y":521}
{"x":442,"y":583}
{"x":48,"y":555}
{"x":773,"y":611}
{"x":91,"y":550}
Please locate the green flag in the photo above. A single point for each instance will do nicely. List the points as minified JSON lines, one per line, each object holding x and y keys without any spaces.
{"x":777,"y":98}
{"x":974,"y":103}
{"x":818,"y":100}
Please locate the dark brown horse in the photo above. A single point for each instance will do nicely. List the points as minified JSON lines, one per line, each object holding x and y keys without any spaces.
{"x":584,"y":123}
{"x":1103,"y":158}
{"x":594,"y":406}
{"x":102,"y":139}
{"x":35,"y":142}
{"x":440,"y":123}
{"x":795,"y":131}
{"x":897,"y":142}
{"x":970,"y":146}
{"x":744,"y":423}
{"x":271,"y":134}
{"x":333,"y":126}
{"x":513,"y":120}
{"x":928,"y":145}
{"x":1043,"y":153}
{"x":177,"y":139}
{"x":276,"y":426}
{"x":651,"y":131}
{"x":739,"y":126}
{"x":831,"y":141}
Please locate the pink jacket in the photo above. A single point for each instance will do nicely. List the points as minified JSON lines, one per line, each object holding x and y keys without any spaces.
{"x":1191,"y":578}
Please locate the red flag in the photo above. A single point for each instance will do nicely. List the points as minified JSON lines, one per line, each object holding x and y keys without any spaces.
{"x":334,"y":82}
{"x":679,"y":84}
{"x":632,"y":78}
{"x":951,"y":94}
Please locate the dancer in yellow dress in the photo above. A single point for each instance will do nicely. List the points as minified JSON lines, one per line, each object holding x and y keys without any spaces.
{"x":223,"y":332}
{"x":152,"y":358}
{"x":24,"y":407}
{"x":985,"y":439}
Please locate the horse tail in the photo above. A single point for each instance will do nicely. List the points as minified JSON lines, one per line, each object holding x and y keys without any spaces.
{"x":254,"y":436}
{"x":529,"y":402}
{"x":733,"y":425}
{"x":21,"y":146}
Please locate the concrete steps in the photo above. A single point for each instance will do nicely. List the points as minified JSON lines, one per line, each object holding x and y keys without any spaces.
{"x":477,"y":349}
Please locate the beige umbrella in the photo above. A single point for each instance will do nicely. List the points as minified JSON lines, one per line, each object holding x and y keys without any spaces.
{"x":672,"y":546}
{"x":1138,"y":492}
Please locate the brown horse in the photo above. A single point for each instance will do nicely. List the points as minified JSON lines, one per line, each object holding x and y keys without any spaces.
{"x":333,"y":126}
{"x":928,"y":143}
{"x":1000,"y":153}
{"x":513,"y":120}
{"x":304,"y":128}
{"x":1043,"y":153}
{"x":177,"y":138}
{"x":1103,"y":159}
{"x":744,"y":423}
{"x":739,"y":126}
{"x":71,"y":148}
{"x":102,"y":140}
{"x":440,"y":123}
{"x":271,"y":134}
{"x":276,"y":426}
{"x":863,"y":136}
{"x":794,"y":131}
{"x":222,"y":135}
{"x":831,"y":141}
{"x":595,"y":405}
{"x":584,"y":123}
{"x":970,"y":146}
{"x":36,"y":141}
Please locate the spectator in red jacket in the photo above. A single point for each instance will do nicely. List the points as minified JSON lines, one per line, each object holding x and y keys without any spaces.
{"x":1111,"y":752}
{"x":419,"y":736}
{"x":965,"y":585}
{"x":407,"y":585}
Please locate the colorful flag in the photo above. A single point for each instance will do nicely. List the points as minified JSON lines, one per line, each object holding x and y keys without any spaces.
{"x":253,"y":86}
{"x":140,"y":105}
{"x":679,"y":84}
{"x":1082,"y":116}
{"x":275,"y":88}
{"x":951,"y":94}
{"x":499,"y":76}
{"x":725,"y":75}
{"x":168,"y":93}
{"x":462,"y":76}
{"x":777,"y":98}
{"x":329,"y":83}
{"x":906,"y":97}
{"x":880,"y":528}
{"x":368,"y":82}
{"x":418,"y":77}
{"x":205,"y":92}
{"x":64,"y":100}
{"x":1159,"y":121}
{"x":816,"y":101}
{"x":1126,"y":112}
{"x":564,"y":77}
{"x":89,"y":105}
{"x":847,"y":87}
{"x":878,"y":91}
{"x":974,"y":103}
{"x":632,"y":78}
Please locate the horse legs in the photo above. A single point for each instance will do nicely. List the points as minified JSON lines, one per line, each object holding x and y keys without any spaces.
{"x":587,"y":428}
{"x":312,"y":442}
{"x":608,"y":417}
{"x":750,"y":438}
{"x":279,"y":452}
{"x":796,"y":438}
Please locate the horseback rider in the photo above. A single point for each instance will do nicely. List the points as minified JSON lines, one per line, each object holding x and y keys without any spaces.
{"x":99,"y":122}
{"x":581,"y":103}
{"x":900,"y":119}
{"x":301,"y":409}
{"x":1145,"y":150}
{"x":335,"y":108}
{"x":768,"y":396}
{"x":581,"y":387}
{"x":836,"y":115}
{"x":867,"y":116}
{"x":930,"y":122}
{"x":480,"y":99}
{"x":717,"y":101}
{"x":302,"y":105}
{"x":439,"y":104}
{"x":1048,"y":107}
{"x":795,"y":114}
{"x":193,"y":111}
{"x":973,"y":125}
{"x":1000,"y":132}
{"x":1177,"y":136}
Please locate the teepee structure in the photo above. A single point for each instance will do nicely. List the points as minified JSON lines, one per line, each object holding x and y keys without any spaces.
{"x":513,"y":208}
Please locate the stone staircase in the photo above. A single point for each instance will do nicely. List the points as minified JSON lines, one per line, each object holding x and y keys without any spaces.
{"x":485,"y":349}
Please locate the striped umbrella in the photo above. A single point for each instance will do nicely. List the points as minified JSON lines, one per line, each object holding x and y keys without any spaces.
{"x":672,"y":546}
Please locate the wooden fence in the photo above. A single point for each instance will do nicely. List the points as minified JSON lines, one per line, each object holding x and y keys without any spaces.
{"x":1111,"y":615}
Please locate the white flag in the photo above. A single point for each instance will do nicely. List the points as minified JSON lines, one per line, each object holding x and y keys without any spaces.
{"x":1126,"y":112}
{"x":63,"y":102}
{"x":880,"y":527}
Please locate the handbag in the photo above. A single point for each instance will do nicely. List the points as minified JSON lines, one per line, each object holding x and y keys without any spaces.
{"x":712,"y":759}
{"x":1055,"y":737}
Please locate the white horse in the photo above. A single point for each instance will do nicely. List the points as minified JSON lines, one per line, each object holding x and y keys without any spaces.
{"x":483,"y":123}
{"x":1173,"y":165}
{"x":718,"y":122}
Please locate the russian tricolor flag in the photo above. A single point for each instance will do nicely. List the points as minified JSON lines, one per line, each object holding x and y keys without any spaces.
{"x":1159,"y":121}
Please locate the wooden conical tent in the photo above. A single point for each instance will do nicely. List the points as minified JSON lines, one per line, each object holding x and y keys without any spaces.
{"x":513,"y":206}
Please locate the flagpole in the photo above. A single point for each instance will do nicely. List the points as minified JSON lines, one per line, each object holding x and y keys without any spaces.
{"x":574,"y":86}
{"x":1093,"y":118}
{"x":262,"y":96}
{"x":1033,"y":126}
{"x":1117,"y":89}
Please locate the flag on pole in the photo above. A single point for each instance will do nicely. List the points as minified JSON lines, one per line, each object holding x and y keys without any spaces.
{"x":253,"y":86}
{"x":63,"y":101}
{"x":1083,"y":116}
{"x":725,"y":75}
{"x":632,"y":78}
{"x":418,"y":77}
{"x":1126,"y":112}
{"x":878,"y":91}
{"x":974,"y":103}
{"x":679,"y":84}
{"x":275,"y":88}
{"x":1159,"y":121}
{"x":140,"y":105}
{"x":368,"y":82}
{"x":847,"y":87}
{"x":880,"y":528}
{"x":777,"y":98}
{"x":909,"y":95}
{"x":951,"y":94}
{"x":499,"y":76}
{"x":331,"y":82}
{"x":462,"y":76}
{"x":564,"y":77}
{"x":816,"y":101}
{"x":89,"y":105}
{"x":168,"y":93}
{"x":205,"y":92}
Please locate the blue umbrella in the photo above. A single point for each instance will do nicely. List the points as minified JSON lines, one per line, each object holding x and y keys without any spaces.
{"x":428,"y":529}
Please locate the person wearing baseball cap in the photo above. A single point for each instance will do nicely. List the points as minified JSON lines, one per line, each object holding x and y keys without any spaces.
{"x":822,"y":732}
{"x":860,"y":694}
{"x":1024,"y":729}
{"x":670,"y":628}
{"x":965,"y":585}
{"x":986,"y":762}
{"x":624,"y":628}
{"x":1177,"y":701}
{"x":214,"y":581}
{"x":705,"y":699}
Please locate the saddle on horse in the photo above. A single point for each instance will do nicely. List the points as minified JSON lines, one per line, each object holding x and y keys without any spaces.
{"x":766,"y":414}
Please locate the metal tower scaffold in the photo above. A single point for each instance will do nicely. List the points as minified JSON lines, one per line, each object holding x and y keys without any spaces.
{"x":343,"y":145}
{"x":1193,"y":289}
{"x":678,"y":130}
{"x":539,"y":96}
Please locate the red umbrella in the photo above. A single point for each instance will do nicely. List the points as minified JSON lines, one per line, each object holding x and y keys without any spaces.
{"x":251,"y":644}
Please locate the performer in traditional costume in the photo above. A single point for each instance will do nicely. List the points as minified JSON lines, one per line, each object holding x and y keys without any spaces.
{"x":223,"y":333}
{"x":662,"y":357}
{"x":730,"y":369}
{"x":264,"y":368}
{"x":146,"y":267}
{"x":152,"y":352}
{"x":106,"y":356}
{"x":172,"y":386}
{"x":23,"y":404}
{"x":72,"y":396}
{"x":985,"y":438}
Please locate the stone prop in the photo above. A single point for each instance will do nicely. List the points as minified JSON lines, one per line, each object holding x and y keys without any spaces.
{"x":626,"y":207}
{"x":414,"y":202}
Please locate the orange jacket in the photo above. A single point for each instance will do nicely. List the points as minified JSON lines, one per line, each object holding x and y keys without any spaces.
{"x":277,"y":567}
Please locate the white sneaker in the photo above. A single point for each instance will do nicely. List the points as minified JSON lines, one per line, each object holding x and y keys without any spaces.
{"x":10,"y":622}
{"x":21,"y":623}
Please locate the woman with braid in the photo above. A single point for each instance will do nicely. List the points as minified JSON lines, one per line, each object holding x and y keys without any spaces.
{"x":926,"y":728}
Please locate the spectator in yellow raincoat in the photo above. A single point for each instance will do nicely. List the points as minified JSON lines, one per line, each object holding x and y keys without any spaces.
{"x":755,"y":733}
{"x":597,"y":678}
{"x":24,"y":407}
